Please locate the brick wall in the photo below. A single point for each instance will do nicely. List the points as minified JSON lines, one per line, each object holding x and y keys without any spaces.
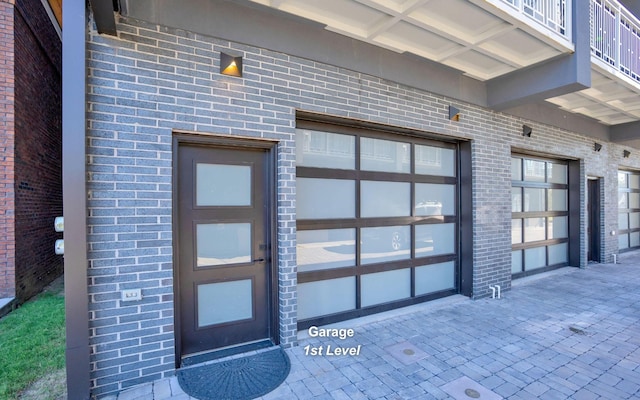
{"x":153,"y":79}
{"x":7,"y":194}
{"x":38,"y":148}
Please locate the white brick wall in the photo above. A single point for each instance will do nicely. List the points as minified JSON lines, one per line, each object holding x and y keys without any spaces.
{"x":153,"y":79}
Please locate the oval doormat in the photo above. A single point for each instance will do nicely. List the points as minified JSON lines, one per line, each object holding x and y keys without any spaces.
{"x":241,"y":378}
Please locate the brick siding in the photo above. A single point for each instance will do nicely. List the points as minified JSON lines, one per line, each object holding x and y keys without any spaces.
{"x":152,"y":80}
{"x":38,"y":148}
{"x":7,"y":131}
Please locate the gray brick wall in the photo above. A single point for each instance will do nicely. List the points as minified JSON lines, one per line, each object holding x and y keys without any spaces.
{"x":152,"y":80}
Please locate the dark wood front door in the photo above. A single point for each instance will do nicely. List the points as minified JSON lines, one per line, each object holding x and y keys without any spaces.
{"x":223,"y":262}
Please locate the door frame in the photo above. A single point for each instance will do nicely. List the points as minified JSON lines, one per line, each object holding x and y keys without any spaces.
{"x":594,"y":219}
{"x":181,"y":138}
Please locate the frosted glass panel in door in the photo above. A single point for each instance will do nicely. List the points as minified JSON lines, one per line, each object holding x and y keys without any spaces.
{"x":534,"y":199}
{"x":383,"y":287}
{"x":557,"y":200}
{"x":325,"y":150}
{"x":623,"y":221}
{"x":222,"y":302}
{"x":325,"y":198}
{"x":557,"y":173}
{"x":558,"y":254}
{"x":219,"y":244}
{"x":435,"y":277}
{"x":434,"y":239}
{"x":385,"y":199}
{"x":434,"y":199}
{"x":223,"y":185}
{"x":325,"y":249}
{"x":384,"y":155}
{"x":516,"y":261}
{"x":385,"y":243}
{"x":557,"y":228}
{"x":436,"y":161}
{"x":535,"y":258}
{"x":623,"y":241}
{"x":326,"y":297}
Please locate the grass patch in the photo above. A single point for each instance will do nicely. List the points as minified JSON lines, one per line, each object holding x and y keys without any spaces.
{"x":32,"y":343}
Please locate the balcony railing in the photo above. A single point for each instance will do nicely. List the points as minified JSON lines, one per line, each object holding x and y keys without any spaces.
{"x":615,"y":37}
{"x":550,"y":13}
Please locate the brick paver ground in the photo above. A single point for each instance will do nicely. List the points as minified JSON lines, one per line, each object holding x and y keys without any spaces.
{"x":570,"y":334}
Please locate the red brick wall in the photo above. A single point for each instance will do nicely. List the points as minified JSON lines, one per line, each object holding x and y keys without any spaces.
{"x":7,"y":229}
{"x":38,"y":148}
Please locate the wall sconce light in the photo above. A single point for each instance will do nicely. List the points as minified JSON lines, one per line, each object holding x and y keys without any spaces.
{"x":454,"y":114}
{"x":626,"y":153}
{"x":230,"y":65}
{"x":526,"y":130}
{"x":597,"y":146}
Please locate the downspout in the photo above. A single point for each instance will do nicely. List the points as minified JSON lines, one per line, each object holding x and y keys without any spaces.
{"x":74,"y":196}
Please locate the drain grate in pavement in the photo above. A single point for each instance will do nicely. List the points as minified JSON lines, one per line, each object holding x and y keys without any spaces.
{"x":406,"y":353}
{"x":466,"y":388}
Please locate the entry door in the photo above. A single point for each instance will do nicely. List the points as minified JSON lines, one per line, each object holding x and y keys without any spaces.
{"x":222,"y":252}
{"x":593,"y":217}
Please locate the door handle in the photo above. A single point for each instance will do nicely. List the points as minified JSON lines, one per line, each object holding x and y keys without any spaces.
{"x":259,"y":260}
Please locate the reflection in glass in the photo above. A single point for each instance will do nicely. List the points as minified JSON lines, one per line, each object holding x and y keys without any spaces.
{"x":325,"y":249}
{"x":558,"y":254}
{"x":557,"y":173}
{"x":516,"y":261}
{"x":535,"y":258}
{"x":557,"y":200}
{"x":224,"y":302}
{"x":434,"y":239}
{"x":516,"y":169}
{"x":219,"y":244}
{"x":516,"y":231}
{"x":384,"y":155}
{"x":434,"y":278}
{"x":434,"y":161}
{"x":385,"y":244}
{"x":326,"y":297}
{"x":383,"y":287}
{"x":534,"y":229}
{"x":385,"y":199}
{"x":534,"y":170}
{"x":634,"y":200}
{"x":558,"y":227}
{"x":622,"y":180}
{"x":534,"y":199}
{"x":325,"y":150}
{"x":223,"y":185}
{"x":434,"y":199}
{"x":516,"y":199}
{"x":325,"y":198}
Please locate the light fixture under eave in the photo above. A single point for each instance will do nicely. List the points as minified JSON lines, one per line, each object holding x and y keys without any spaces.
{"x":230,"y":65}
{"x":454,"y":114}
{"x":597,"y":146}
{"x":626,"y":153}
{"x":526,"y":130}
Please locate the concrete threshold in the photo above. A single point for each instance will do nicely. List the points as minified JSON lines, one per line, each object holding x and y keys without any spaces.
{"x":6,"y":305}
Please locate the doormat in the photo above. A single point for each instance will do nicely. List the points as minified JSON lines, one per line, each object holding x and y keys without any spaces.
{"x":241,"y":378}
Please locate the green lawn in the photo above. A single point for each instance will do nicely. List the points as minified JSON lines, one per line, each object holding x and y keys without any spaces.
{"x":32,"y":343}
